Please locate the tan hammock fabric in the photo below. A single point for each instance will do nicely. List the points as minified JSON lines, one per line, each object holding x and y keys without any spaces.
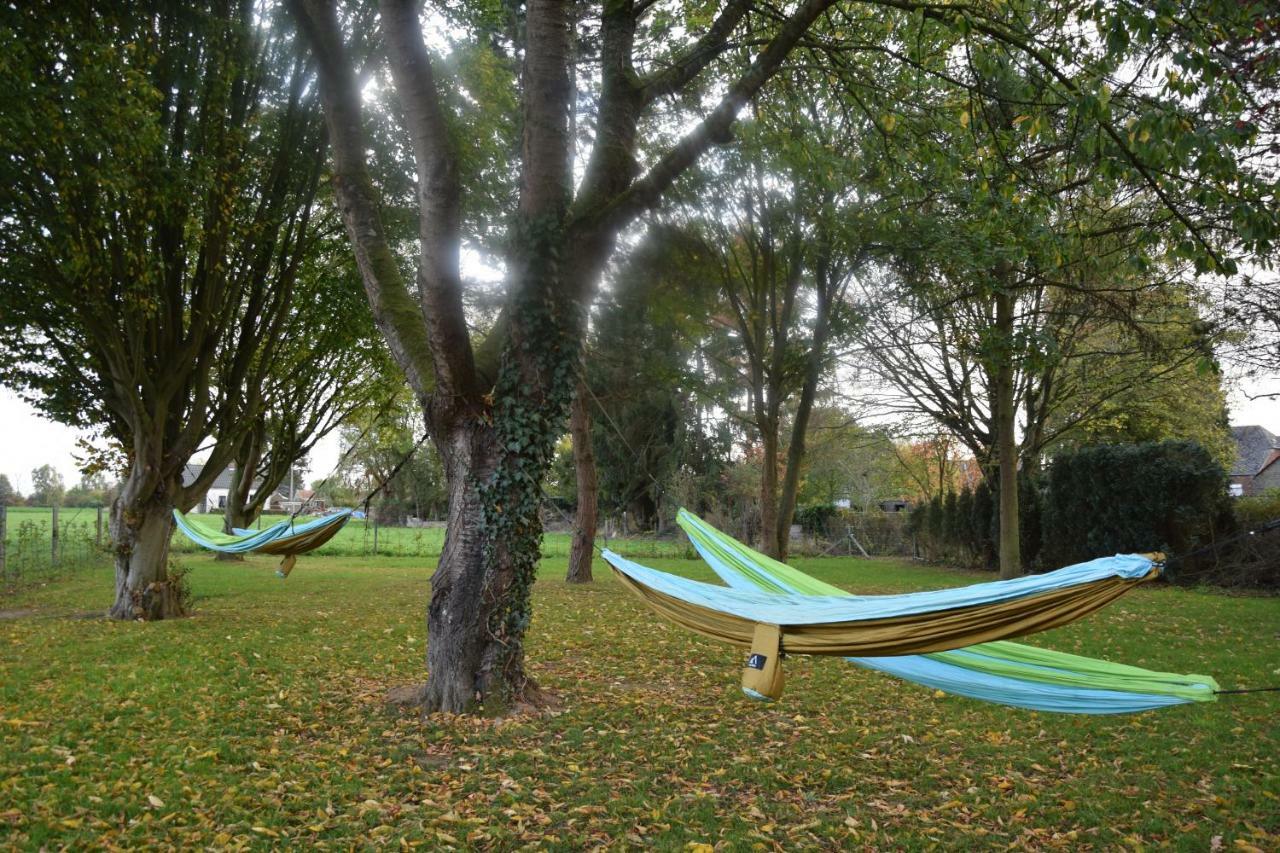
{"x":918,"y":633}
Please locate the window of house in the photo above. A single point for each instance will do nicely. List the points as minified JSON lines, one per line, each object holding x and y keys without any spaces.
{"x":1237,"y":490}
{"x":222,"y":501}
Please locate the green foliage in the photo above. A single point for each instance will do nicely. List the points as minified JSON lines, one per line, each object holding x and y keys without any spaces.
{"x":816,"y":519}
{"x":266,"y":727}
{"x":1170,"y":497}
{"x":531,"y":397}
{"x":1257,"y":510}
{"x":8,"y":494}
{"x":47,"y":487}
{"x":653,"y":435}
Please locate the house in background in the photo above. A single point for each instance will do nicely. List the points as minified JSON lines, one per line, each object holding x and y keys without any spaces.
{"x":306,"y":501}
{"x":216,"y":497}
{"x":1257,"y":465}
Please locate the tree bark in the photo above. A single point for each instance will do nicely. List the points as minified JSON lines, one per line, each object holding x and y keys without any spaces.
{"x":769,"y":488}
{"x":1006,"y":440}
{"x":141,"y":524}
{"x":497,"y":445}
{"x":584,"y":463}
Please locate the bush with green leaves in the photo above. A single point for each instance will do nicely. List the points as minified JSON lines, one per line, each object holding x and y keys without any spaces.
{"x":1169,"y":496}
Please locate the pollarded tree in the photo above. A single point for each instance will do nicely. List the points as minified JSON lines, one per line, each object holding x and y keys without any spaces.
{"x":330,"y":364}
{"x":157,"y":181}
{"x":495,"y":411}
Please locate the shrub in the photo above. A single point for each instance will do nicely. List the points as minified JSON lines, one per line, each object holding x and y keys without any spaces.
{"x":1169,"y":496}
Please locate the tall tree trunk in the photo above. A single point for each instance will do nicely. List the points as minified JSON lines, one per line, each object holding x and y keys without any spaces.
{"x":234,"y":514}
{"x":808,"y":391}
{"x":141,"y":524}
{"x":462,"y":664}
{"x":769,"y":488}
{"x":1006,"y":440}
{"x":584,"y":463}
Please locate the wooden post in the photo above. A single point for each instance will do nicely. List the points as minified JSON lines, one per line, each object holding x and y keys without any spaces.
{"x":98,"y":536}
{"x":53,"y":546}
{"x":375,"y":533}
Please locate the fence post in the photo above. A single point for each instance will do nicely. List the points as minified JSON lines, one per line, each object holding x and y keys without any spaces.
{"x":375,"y":533}
{"x":98,"y":535}
{"x":53,"y":547}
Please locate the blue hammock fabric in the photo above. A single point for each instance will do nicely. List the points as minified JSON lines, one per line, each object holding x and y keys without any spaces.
{"x":967,"y":677}
{"x":249,"y":541}
{"x":785,"y":608}
{"x":246,"y":543}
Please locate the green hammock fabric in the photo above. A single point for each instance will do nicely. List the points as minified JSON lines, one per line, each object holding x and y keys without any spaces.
{"x":998,"y":671}
{"x":286,"y":537}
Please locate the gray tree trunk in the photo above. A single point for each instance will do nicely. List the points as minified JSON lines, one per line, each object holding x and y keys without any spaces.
{"x":769,"y":489}
{"x":1006,"y":441}
{"x":141,"y":524}
{"x":584,"y":463}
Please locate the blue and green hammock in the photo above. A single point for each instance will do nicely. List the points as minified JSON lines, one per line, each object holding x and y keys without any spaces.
{"x":952,"y":640}
{"x":285,"y":538}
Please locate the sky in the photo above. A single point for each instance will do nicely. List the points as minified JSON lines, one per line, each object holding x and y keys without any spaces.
{"x":28,"y":440}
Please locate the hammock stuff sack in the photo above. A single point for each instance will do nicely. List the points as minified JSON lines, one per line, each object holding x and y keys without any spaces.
{"x":952,"y":640}
{"x":284,"y":538}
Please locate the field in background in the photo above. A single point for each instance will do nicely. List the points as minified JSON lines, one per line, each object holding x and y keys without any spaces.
{"x":260,"y":721}
{"x":30,"y":557}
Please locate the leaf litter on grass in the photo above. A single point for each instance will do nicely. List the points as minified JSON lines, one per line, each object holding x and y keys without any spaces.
{"x":262,"y":723}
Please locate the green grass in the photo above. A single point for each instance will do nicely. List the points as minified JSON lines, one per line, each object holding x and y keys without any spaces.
{"x":260,"y":722}
{"x":356,"y":539}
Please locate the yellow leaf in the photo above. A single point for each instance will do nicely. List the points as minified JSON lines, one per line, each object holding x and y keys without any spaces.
{"x":964,"y":119}
{"x":155,"y":801}
{"x":262,"y":830}
{"x":699,"y":847}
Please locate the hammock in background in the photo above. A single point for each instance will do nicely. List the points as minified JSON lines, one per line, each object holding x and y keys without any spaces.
{"x":285,"y":538}
{"x":772,"y":608}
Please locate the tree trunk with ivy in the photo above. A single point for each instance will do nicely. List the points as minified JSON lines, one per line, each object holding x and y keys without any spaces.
{"x":495,"y":411}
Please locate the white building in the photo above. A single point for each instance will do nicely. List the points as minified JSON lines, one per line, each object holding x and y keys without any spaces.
{"x":216,"y":496}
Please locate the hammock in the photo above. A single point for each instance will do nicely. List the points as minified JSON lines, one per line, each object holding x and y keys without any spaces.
{"x":284,"y":538}
{"x":1002,"y":672}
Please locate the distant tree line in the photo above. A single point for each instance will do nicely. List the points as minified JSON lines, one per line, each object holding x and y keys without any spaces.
{"x":49,"y":489}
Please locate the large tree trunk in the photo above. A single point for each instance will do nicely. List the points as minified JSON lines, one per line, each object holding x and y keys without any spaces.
{"x":584,"y":463}
{"x":141,"y":524}
{"x":463,"y":663}
{"x":769,"y":489}
{"x":497,"y":441}
{"x":1006,"y":441}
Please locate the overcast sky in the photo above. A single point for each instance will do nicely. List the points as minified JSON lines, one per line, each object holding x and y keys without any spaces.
{"x":28,"y":440}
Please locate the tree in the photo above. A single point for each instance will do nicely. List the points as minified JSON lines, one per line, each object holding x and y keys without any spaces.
{"x":157,"y":189}
{"x":495,"y":411}
{"x":8,"y":494}
{"x":1018,"y":236}
{"x":783,"y":263}
{"x":329,"y":365}
{"x":382,"y":451}
{"x":47,"y":487}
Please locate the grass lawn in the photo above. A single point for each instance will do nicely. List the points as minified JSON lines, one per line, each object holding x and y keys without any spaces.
{"x":260,"y":722}
{"x":29,"y":529}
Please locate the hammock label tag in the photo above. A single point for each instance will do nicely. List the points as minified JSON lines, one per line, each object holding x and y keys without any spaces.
{"x":757,"y":661}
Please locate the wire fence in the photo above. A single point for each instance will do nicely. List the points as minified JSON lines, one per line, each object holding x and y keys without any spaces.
{"x":39,"y":544}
